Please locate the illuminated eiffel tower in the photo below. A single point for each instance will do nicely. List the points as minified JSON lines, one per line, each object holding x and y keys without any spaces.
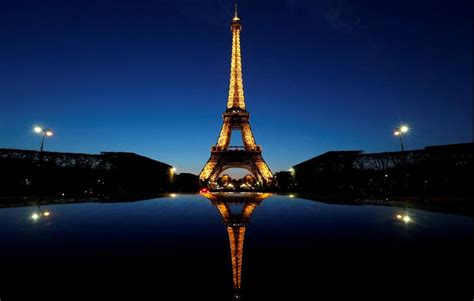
{"x":236,"y":117}
{"x":236,"y":223}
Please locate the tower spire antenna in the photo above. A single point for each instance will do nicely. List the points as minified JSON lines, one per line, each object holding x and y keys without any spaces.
{"x":236,"y":15}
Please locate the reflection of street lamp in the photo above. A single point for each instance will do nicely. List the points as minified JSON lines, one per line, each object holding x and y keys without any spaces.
{"x":402,"y":130}
{"x":40,"y":213}
{"x":404,"y":217}
{"x":43,"y":132}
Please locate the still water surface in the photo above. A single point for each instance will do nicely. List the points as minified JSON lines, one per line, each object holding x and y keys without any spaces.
{"x":257,"y":247}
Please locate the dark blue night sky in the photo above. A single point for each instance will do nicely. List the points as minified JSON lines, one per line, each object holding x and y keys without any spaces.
{"x":151,"y":77}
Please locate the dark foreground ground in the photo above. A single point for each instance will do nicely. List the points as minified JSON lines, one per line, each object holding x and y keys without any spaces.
{"x":378,"y":274}
{"x":178,"y":249}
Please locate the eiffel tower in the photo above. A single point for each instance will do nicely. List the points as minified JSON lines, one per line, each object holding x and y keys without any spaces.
{"x":236,"y":224}
{"x":236,"y":117}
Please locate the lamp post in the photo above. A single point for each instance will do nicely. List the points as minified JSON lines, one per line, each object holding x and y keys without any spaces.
{"x":399,"y":132}
{"x":402,"y":130}
{"x":172,"y":173}
{"x":44,"y":132}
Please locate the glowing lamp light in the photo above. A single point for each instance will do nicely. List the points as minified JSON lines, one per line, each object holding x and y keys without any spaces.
{"x":291,"y":170}
{"x":403,"y":217}
{"x":49,"y":133}
{"x":403,"y":129}
{"x":46,"y":213}
{"x":173,"y":195}
{"x":35,"y":216}
{"x":38,"y":129}
{"x":291,"y":195}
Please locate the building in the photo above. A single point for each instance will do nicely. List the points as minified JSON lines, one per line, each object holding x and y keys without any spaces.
{"x":444,"y":170}
{"x":24,"y":172}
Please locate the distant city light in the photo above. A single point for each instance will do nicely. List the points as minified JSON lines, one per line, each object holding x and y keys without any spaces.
{"x":291,"y":195}
{"x":173,"y":195}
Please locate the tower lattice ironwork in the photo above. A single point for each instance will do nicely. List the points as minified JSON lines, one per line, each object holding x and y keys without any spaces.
{"x":236,"y":117}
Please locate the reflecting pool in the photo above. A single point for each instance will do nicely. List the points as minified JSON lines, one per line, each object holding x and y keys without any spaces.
{"x":232,"y":246}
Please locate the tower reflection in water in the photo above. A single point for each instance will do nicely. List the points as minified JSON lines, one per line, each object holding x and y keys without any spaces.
{"x":236,"y":209}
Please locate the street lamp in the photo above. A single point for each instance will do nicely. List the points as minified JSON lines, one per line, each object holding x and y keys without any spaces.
{"x":44,"y":132}
{"x":402,"y":130}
